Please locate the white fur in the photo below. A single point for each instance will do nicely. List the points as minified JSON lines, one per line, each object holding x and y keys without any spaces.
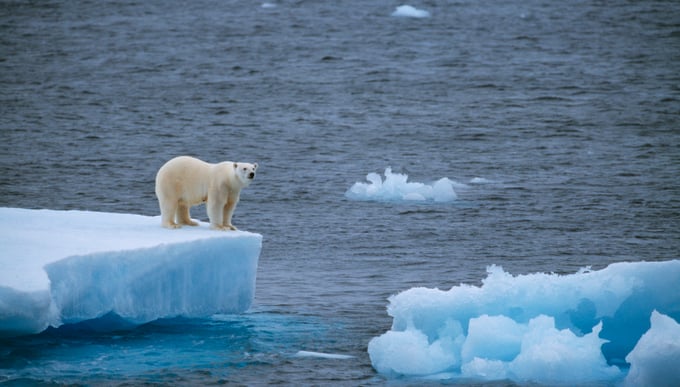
{"x":186,"y":181}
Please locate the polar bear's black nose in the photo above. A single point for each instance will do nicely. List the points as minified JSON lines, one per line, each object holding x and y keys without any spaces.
{"x":252,"y":175}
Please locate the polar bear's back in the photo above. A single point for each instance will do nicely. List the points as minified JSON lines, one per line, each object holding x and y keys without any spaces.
{"x":184,"y":177}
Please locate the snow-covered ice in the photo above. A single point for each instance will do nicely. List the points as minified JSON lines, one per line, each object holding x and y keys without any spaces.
{"x":410,"y":11}
{"x":396,"y":187}
{"x":69,"y":266}
{"x":543,"y":328}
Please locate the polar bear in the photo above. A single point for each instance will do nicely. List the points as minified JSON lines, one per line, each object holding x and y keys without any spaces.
{"x":187,"y":181}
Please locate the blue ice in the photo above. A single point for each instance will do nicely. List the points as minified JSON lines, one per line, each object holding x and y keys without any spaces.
{"x":70,"y":266}
{"x":614,"y":325}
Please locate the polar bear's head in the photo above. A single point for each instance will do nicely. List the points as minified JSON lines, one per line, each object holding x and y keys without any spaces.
{"x":245,"y":172}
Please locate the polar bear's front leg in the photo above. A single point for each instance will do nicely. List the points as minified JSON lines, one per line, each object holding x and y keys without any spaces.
{"x":229,"y":212}
{"x":215,"y":213}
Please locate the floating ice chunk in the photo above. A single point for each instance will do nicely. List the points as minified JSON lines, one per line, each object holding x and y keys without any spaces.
{"x":442,"y":190}
{"x":480,"y":180}
{"x":550,"y":355}
{"x":69,"y":266}
{"x":323,"y":355}
{"x":542,"y":328}
{"x":655,"y":360}
{"x":268,"y":5}
{"x":414,"y":197}
{"x":410,"y":11}
{"x":537,"y":352}
{"x":411,"y":353}
{"x":485,"y":369}
{"x":396,"y":187}
{"x":503,"y":344}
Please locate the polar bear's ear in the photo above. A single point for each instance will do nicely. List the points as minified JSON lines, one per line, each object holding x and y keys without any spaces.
{"x":235,"y":165}
{"x":255,"y":166}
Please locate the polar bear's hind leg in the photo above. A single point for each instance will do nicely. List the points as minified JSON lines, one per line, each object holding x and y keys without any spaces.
{"x":183,"y":216}
{"x":168,"y":211}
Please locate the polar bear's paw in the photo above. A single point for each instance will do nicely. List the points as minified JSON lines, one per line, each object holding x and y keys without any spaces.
{"x":223,"y":227}
{"x":171,"y":226}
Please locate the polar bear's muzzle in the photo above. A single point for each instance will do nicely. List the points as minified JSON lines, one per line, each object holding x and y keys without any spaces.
{"x":252,"y":175}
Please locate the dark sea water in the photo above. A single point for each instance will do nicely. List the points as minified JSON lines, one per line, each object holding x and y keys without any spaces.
{"x":570,"y":111}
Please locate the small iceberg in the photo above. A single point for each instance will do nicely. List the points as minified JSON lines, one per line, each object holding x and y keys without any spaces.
{"x":410,"y":11}
{"x":541,"y":328}
{"x":396,"y":187}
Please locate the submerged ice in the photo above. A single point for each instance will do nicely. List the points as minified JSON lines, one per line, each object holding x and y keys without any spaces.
{"x":396,"y":187}
{"x":614,"y":324}
{"x":68,"y":266}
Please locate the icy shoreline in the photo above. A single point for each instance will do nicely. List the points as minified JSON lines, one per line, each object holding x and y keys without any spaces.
{"x":69,"y":266}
